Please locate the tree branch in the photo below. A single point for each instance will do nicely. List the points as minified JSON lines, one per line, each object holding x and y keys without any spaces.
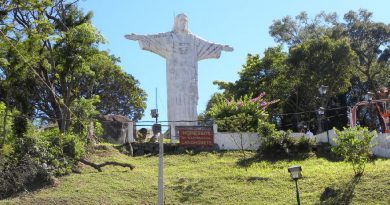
{"x":99,"y":166}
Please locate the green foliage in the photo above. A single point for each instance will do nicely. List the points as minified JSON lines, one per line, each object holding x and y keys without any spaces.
{"x":316,"y":62}
{"x":59,"y":150}
{"x":350,"y":56}
{"x":119,"y":92}
{"x":368,"y":39}
{"x":51,"y":65}
{"x":141,"y":134}
{"x":22,"y":175}
{"x":294,"y":31}
{"x":322,"y":61}
{"x":98,"y":129}
{"x":5,"y":123}
{"x":354,"y":145}
{"x":50,"y":148}
{"x":266,"y":74}
{"x":83,"y":112}
{"x":29,"y":157}
{"x":243,"y":115}
{"x":19,"y":125}
{"x":310,"y":64}
{"x":279,"y":144}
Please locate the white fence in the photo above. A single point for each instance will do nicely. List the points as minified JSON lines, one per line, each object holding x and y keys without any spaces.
{"x":251,"y":141}
{"x":382,"y":148}
{"x":237,"y":141}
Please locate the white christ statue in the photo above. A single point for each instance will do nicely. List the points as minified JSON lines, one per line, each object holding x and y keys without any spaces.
{"x":182,"y":51}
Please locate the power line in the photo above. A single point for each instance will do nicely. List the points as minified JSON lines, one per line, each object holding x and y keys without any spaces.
{"x":309,"y":111}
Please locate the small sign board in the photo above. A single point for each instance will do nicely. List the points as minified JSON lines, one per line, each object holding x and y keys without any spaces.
{"x":195,"y":136}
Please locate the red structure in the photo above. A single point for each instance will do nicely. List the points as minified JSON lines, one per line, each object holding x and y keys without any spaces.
{"x":374,"y":114}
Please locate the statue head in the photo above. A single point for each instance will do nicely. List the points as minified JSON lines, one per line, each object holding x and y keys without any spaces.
{"x":181,"y":24}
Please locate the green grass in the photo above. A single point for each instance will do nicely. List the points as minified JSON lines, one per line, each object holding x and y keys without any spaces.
{"x":214,"y":178}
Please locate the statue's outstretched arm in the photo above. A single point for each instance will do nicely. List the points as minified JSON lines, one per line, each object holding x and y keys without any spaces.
{"x":133,"y":37}
{"x":227,"y":48}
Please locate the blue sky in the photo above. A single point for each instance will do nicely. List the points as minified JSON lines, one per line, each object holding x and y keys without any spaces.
{"x":244,"y":25}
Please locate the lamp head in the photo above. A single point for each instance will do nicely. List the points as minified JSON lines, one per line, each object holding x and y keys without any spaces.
{"x":321,"y":111}
{"x":154,"y":113}
{"x":370,"y":96}
{"x":323,"y":89}
{"x":295,"y":172}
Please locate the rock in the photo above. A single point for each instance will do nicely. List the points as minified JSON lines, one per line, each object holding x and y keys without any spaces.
{"x":115,"y":128}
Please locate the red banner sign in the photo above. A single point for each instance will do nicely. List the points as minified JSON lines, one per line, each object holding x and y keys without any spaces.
{"x":195,"y":136}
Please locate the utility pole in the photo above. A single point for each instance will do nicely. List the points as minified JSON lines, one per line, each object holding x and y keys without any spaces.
{"x":160,"y":170}
{"x":157,"y":132}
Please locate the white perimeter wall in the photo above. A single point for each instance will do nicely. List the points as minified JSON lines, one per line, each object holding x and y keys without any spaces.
{"x":251,"y":141}
{"x":237,"y":141}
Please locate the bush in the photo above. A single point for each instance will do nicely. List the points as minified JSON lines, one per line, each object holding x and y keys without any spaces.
{"x":59,"y":151}
{"x":242,"y":115}
{"x":20,"y":175}
{"x":281,"y":144}
{"x":54,"y":150}
{"x":354,"y":145}
{"x":29,"y":157}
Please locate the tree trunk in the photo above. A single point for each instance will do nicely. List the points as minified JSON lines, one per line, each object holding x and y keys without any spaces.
{"x":5,"y":118}
{"x":91,"y":135}
{"x":5,"y":123}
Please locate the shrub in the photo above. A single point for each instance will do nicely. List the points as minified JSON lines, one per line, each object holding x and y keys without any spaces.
{"x":59,"y":150}
{"x":242,"y":115}
{"x":281,"y":144}
{"x":29,"y":157}
{"x":54,"y":150}
{"x":354,"y":145}
{"x":19,"y":175}
{"x":141,"y":135}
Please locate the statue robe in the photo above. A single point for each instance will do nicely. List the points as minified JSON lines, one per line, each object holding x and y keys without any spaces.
{"x":182,"y":53}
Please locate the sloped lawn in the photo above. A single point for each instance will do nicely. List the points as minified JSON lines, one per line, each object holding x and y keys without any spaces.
{"x":215,"y":178}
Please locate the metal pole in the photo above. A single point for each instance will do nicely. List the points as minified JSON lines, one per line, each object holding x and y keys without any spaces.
{"x":327,"y":130}
{"x":160,"y":170}
{"x":156,"y":106}
{"x":296,"y":188}
{"x":323,"y":115}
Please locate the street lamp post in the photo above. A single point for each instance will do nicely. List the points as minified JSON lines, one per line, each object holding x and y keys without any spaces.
{"x":321,"y":111}
{"x":295,"y":172}
{"x":369,"y":97}
{"x":157,"y":133}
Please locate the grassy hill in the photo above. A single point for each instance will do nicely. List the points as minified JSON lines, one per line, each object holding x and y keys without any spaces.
{"x":215,"y":178}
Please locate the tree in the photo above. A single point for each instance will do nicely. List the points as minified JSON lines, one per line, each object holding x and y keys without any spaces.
{"x":261,"y":75}
{"x":293,"y":32}
{"x":309,"y":65}
{"x":352,"y":55}
{"x":371,"y":42}
{"x":266,"y":74}
{"x":52,"y":46}
{"x":119,"y":92}
{"x":368,"y":39}
{"x":317,"y":62}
